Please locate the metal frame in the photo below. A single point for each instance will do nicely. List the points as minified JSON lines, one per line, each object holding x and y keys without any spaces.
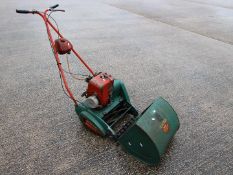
{"x":50,"y":26}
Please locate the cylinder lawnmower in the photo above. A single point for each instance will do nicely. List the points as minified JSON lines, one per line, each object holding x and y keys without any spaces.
{"x":106,"y":109}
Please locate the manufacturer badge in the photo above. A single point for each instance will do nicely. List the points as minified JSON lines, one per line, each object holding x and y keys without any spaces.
{"x":165,"y":126}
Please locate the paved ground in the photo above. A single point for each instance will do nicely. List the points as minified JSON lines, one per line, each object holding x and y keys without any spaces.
{"x":179,"y":49}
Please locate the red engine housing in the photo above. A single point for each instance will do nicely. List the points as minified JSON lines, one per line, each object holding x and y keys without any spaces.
{"x":101,"y":86}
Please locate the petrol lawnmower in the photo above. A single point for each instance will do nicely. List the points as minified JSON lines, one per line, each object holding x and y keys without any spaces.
{"x":106,"y":109}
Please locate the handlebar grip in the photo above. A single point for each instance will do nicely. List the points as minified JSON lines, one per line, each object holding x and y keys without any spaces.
{"x":58,"y":10}
{"x":23,"y":11}
{"x":54,"y":6}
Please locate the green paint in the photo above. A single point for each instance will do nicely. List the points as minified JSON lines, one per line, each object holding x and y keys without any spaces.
{"x":146,"y":139}
{"x":96,"y":115}
{"x":148,"y":136}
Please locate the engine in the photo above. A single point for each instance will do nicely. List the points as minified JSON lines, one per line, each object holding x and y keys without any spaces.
{"x":99,"y":90}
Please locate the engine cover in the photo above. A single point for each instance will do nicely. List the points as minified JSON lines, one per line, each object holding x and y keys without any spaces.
{"x":101,"y":86}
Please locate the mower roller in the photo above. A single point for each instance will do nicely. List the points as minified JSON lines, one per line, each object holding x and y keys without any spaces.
{"x":106,"y":109}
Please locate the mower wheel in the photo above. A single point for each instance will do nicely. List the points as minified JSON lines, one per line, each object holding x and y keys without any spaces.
{"x":92,"y":127}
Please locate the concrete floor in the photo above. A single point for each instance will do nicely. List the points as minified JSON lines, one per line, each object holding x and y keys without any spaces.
{"x":179,"y":49}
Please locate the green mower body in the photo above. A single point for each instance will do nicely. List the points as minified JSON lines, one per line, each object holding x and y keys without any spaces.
{"x":148,"y":138}
{"x":102,"y":120}
{"x":144,"y":136}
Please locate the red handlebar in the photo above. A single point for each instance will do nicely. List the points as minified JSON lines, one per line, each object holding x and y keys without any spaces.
{"x":34,"y":11}
{"x":48,"y":24}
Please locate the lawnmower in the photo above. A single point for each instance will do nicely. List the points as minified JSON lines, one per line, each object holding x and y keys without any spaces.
{"x":106,"y":109}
